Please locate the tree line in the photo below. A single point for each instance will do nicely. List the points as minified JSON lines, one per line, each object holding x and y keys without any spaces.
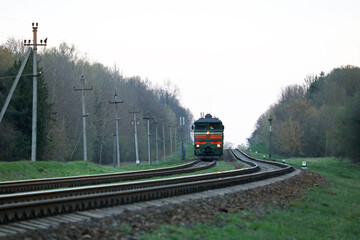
{"x":59,"y":108}
{"x":316,"y":119}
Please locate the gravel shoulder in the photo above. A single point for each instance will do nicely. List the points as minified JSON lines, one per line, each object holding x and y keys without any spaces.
{"x":132,"y":224}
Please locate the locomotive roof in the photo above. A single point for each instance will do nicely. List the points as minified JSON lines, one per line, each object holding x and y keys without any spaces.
{"x":208,"y":118}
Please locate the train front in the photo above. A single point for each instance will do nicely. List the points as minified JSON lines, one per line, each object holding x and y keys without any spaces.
{"x":208,"y":138}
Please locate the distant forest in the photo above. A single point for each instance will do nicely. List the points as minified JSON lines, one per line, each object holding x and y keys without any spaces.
{"x":317,"y":119}
{"x":59,"y":126}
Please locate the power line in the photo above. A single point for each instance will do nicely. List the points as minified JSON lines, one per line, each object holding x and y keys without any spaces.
{"x":24,"y":75}
{"x":15,"y":19}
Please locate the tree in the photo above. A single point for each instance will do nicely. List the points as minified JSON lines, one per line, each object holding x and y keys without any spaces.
{"x":63,"y":67}
{"x":288,"y":138}
{"x":348,"y":131}
{"x":19,"y":116}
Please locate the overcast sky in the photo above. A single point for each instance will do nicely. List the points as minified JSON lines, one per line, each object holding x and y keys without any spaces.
{"x":228,"y":58}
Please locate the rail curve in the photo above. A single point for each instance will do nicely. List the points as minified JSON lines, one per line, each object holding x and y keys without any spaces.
{"x":90,"y":197}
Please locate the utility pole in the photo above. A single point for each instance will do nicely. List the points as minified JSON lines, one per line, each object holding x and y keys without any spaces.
{"x":175,"y":138}
{"x":34,"y":112}
{"x":270,"y":120}
{"x":164,"y":147}
{"x":135,"y":122}
{"x":148,"y":118}
{"x":117,"y":119}
{"x":84,"y":115}
{"x":156,"y":141}
{"x":182,"y":149}
{"x":171,"y":149}
{"x":114,"y":152}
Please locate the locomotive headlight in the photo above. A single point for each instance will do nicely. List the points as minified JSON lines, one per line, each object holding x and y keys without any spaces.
{"x":218,"y":145}
{"x":197,"y":145}
{"x":207,"y":132}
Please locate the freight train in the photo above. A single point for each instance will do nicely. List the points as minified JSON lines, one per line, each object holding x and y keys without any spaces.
{"x":208,"y":138}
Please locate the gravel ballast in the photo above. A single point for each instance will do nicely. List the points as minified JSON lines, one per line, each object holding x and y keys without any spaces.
{"x":132,"y":224}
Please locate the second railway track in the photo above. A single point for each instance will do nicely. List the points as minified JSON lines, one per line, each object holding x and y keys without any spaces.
{"x":74,"y":181}
{"x":47,"y":203}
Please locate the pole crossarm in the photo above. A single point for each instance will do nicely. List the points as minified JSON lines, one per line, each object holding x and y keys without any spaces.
{"x":34,"y":44}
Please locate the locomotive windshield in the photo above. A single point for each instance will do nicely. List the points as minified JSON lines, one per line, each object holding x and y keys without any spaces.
{"x":216,"y":126}
{"x":206,"y":126}
{"x":201,"y":126}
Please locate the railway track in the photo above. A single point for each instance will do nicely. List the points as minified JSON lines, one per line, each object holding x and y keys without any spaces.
{"x":33,"y":205}
{"x":74,"y":181}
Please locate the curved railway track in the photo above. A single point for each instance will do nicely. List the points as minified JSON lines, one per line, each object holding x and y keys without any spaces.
{"x":22,"y":206}
{"x":74,"y":181}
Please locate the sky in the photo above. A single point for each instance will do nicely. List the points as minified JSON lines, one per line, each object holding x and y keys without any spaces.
{"x":228,"y":58}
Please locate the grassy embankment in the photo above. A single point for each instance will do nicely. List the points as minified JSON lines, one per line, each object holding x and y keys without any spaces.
{"x":331,"y":211}
{"x":20,"y":170}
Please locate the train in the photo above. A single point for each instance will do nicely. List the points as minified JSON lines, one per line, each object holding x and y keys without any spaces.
{"x":208,"y":138}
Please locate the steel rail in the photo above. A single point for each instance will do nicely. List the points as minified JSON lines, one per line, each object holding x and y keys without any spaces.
{"x":73,"y":181}
{"x":40,"y":195}
{"x":32,"y":209}
{"x":75,"y":191}
{"x":281,"y":165}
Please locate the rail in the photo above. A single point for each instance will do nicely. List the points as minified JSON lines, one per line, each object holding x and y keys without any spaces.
{"x":11,"y":212}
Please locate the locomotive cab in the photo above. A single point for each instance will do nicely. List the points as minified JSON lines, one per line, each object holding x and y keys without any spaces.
{"x":208,"y":138}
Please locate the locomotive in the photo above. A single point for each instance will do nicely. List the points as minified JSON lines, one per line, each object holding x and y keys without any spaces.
{"x":208,"y":138}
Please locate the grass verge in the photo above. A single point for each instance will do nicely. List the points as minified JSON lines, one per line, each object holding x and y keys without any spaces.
{"x":331,"y":211}
{"x":20,"y":170}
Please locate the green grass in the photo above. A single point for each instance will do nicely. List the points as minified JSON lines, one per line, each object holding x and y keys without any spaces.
{"x":331,"y":211}
{"x":21,"y":170}
{"x":259,"y":147}
{"x":48,"y":169}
